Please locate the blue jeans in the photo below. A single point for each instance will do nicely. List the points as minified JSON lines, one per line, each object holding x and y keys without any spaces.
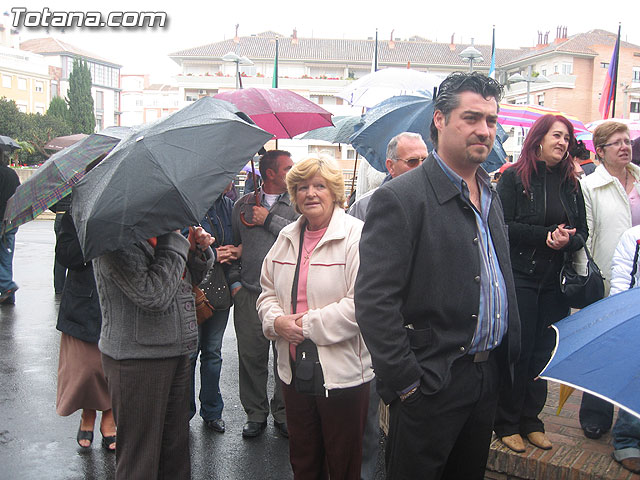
{"x":7,"y":244}
{"x":210,"y":335}
{"x":626,"y":433}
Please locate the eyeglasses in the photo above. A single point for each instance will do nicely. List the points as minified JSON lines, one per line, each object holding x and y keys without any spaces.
{"x":412,"y":162}
{"x":617,"y":143}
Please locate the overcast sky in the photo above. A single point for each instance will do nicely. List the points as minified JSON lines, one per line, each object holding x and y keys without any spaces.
{"x":191,"y":24}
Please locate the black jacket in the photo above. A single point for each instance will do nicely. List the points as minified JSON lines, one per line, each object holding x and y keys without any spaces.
{"x":419,"y":265}
{"x":79,"y":314}
{"x":524,"y":214}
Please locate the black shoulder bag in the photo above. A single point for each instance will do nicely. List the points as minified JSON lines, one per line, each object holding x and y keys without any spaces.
{"x":307,"y":371}
{"x":214,"y":284}
{"x":581,"y":291}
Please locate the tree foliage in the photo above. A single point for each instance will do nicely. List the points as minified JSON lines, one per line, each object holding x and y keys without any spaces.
{"x":79,"y":99}
{"x":58,"y":108}
{"x":33,"y":128}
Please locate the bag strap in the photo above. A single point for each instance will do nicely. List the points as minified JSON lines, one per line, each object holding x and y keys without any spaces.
{"x":213,"y":227}
{"x":294,"y":288}
{"x":635,"y":265}
{"x":584,"y":245}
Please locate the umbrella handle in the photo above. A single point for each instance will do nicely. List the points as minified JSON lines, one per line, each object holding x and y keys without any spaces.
{"x":256,"y":194}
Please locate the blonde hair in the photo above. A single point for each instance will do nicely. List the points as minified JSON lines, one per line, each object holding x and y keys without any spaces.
{"x":605,"y":130}
{"x":308,"y":168}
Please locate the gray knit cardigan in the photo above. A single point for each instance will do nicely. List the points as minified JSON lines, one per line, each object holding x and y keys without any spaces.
{"x":148,"y":309}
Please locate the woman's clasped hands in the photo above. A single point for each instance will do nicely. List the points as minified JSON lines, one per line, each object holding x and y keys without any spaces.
{"x":560,"y":237}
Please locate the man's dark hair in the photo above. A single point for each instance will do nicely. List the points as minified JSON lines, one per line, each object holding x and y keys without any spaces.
{"x":270,"y":161}
{"x":450,"y":89}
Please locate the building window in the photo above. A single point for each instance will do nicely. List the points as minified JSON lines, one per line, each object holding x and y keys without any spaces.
{"x":543,"y":72}
{"x":22,"y":83}
{"x":556,"y":68}
{"x":40,"y":110}
{"x":99,"y":100}
{"x":351,"y":154}
{"x":604,"y":64}
{"x":39,"y":87}
{"x":6,"y":81}
{"x":541,"y":99}
{"x":635,"y":107}
{"x":636,"y":75}
{"x":22,"y":107}
{"x":567,"y":69}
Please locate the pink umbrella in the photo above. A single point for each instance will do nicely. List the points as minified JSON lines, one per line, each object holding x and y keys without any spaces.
{"x":278,"y":111}
{"x":526,"y":115}
{"x":634,"y":125}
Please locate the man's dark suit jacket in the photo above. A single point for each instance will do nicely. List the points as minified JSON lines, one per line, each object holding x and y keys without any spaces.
{"x":420,"y":265}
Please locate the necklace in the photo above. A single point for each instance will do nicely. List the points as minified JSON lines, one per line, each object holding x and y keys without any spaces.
{"x":307,"y":253}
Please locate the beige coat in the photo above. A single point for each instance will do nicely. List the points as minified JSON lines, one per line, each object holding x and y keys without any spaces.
{"x":608,"y":216}
{"x":331,"y":321}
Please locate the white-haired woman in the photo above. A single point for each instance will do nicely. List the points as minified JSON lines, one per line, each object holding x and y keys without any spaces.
{"x":307,"y":282}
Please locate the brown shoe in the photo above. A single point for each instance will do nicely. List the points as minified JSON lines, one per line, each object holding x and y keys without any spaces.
{"x":632,"y":464}
{"x":514,"y":442}
{"x":540,"y":440}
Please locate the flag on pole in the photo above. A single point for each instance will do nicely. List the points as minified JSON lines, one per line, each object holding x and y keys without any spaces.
{"x":274,"y":82}
{"x":608,"y":97}
{"x":492,"y":68}
{"x":374,"y":61}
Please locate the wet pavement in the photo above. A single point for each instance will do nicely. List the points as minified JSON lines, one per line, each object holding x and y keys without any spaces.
{"x":35,"y":443}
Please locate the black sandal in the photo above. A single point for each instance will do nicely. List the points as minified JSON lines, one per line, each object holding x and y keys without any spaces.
{"x":108,"y":441}
{"x":84,"y":435}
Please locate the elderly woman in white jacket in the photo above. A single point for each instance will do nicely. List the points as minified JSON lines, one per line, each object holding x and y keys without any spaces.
{"x":307,"y":282}
{"x":625,"y":274}
{"x":612,"y":201}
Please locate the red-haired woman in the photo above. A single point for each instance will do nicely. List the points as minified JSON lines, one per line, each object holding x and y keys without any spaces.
{"x":544,"y":210}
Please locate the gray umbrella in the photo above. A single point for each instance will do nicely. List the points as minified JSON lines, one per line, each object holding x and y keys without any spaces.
{"x":163,"y":177}
{"x":342,"y":129}
{"x":8,"y":144}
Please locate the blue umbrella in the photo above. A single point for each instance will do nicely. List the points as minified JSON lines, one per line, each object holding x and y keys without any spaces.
{"x":405,"y":113}
{"x":597,"y":350}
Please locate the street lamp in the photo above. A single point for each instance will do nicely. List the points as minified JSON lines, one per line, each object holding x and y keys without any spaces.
{"x":471,"y":54}
{"x":233,"y":57}
{"x":517,"y":77}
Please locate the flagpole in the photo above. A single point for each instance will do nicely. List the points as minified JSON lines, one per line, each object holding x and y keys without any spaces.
{"x":274,"y":82}
{"x":492,"y":68}
{"x":615,"y":73}
{"x":375,"y":59}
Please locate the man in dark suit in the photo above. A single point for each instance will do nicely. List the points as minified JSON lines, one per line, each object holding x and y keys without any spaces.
{"x":435,"y":298}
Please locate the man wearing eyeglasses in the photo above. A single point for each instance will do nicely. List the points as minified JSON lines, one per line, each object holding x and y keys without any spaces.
{"x":405,"y":152}
{"x":435,"y":297}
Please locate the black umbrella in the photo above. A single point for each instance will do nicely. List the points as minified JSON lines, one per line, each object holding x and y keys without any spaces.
{"x":8,"y":144}
{"x":163,"y":177}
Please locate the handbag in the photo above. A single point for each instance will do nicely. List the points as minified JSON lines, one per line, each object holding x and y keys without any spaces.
{"x":215,"y":287}
{"x":581,"y":290}
{"x":214,"y":284}
{"x":204,"y":309}
{"x":307,"y":370}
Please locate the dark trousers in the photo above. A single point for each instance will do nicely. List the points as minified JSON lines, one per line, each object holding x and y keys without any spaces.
{"x":253,"y":356}
{"x":540,"y":304}
{"x":595,"y":412}
{"x":445,"y":435}
{"x":325,"y":433}
{"x":371,"y":438}
{"x":59,"y":270}
{"x":151,"y":409}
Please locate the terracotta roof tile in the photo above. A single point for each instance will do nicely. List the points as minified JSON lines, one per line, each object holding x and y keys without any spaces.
{"x":52,"y":46}
{"x":419,"y":52}
{"x":579,"y":43}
